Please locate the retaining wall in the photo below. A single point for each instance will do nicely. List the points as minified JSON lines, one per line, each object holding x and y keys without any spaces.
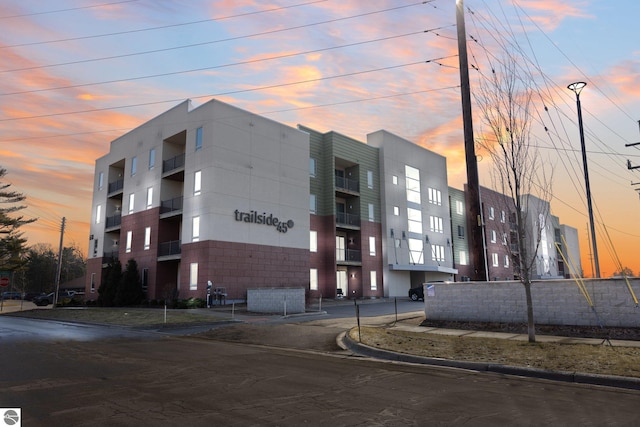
{"x":555,"y":302}
{"x":276,"y":300}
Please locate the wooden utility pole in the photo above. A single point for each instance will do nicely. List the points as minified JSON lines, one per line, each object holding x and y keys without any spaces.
{"x":474,"y":207}
{"x":59,"y":269}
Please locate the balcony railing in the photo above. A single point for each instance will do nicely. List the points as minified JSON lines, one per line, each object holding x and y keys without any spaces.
{"x":116,"y":185}
{"x":109,"y":257}
{"x":169,"y":248}
{"x":171,"y":205}
{"x":113,"y":221}
{"x":347,"y":184}
{"x":348,"y":219}
{"x":173,"y":163}
{"x":348,"y":255}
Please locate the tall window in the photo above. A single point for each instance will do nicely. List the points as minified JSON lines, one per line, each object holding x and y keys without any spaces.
{"x":370,"y":179}
{"x":193,"y":276}
{"x":372,"y":246}
{"x":98,"y":213}
{"x":494,"y":259}
{"x":437,"y":252}
{"x":197,"y":183}
{"x":152,"y":158}
{"x":415,"y":251}
{"x":463,"y":258}
{"x":394,"y":180}
{"x":396,"y":210}
{"x":503,"y":217}
{"x":312,"y":203}
{"x":506,"y":261}
{"x":460,"y":232}
{"x":149,"y":197}
{"x":312,"y":167}
{"x":413,"y":184}
{"x":129,"y":238}
{"x":371,"y":214}
{"x":195,"y":229}
{"x":131,"y":202}
{"x":313,"y":241}
{"x":435,"y":197}
{"x":493,"y":236}
{"x":414,"y":217}
{"x":198,"y":138}
{"x":100,"y":180}
{"x":134,"y":166}
{"x":374,"y":280}
{"x":93,"y":282}
{"x":459,"y":207}
{"x":492,"y":213}
{"x":313,"y":279}
{"x":147,"y":238}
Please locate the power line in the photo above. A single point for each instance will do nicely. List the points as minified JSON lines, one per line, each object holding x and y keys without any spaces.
{"x":67,"y":10}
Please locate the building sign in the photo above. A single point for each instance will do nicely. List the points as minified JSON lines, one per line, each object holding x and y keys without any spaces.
{"x":264,"y":219}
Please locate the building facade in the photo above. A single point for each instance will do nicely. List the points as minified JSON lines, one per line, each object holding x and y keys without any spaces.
{"x":197,"y":195}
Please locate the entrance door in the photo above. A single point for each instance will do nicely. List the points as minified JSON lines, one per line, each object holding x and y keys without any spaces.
{"x":341,"y":282}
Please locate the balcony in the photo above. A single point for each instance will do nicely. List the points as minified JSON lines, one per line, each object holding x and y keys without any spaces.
{"x":171,"y":205}
{"x":350,"y":186}
{"x":348,"y":256}
{"x":116,"y":186}
{"x":173,"y":164}
{"x":347,"y":220}
{"x":170,"y":248}
{"x":113,"y":221}
{"x":109,"y":257}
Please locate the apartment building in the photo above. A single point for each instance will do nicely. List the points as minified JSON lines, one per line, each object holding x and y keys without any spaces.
{"x":209,"y":194}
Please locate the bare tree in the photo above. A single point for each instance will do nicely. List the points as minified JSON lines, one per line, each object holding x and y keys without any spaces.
{"x":505,"y":101}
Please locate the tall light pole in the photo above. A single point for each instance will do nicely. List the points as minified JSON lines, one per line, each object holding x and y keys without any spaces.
{"x":577,"y":88}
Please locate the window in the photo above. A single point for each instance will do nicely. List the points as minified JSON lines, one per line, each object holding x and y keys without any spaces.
{"x":129,"y":238}
{"x":504,"y":239}
{"x":313,"y":279}
{"x":414,"y":218}
{"x":195,"y":229}
{"x":492,"y":213}
{"x":131,"y":202}
{"x":463,"y":258}
{"x":147,"y":238}
{"x":396,"y":210}
{"x":374,"y":280}
{"x":372,"y":246}
{"x":435,"y":197}
{"x":95,"y":248}
{"x":152,"y":158}
{"x":503,"y":217}
{"x":371,"y":215}
{"x":437,"y":253}
{"x":134,"y":165}
{"x":394,"y":180}
{"x":506,"y":261}
{"x":98,"y":213}
{"x":370,"y":179}
{"x":435,"y":224}
{"x":197,"y":183}
{"x":413,"y":184}
{"x":494,"y":259}
{"x":93,"y":282}
{"x":193,"y":276}
{"x":493,"y":236}
{"x":149,"y":197}
{"x":460,"y":232}
{"x":313,"y":241}
{"x":312,"y":167}
{"x":198,"y":138}
{"x":459,"y":207}
{"x":397,"y":243}
{"x":415,"y":251}
{"x":145,"y":280}
{"x":100,"y":180}
{"x":312,"y":204}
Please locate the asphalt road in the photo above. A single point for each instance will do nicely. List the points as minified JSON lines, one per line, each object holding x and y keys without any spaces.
{"x":160,"y":380}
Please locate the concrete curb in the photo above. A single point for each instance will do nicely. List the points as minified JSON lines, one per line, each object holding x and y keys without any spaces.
{"x":573,"y":377}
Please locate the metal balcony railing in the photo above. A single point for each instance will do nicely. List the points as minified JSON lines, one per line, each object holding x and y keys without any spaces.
{"x":171,"y":205}
{"x":347,"y":184}
{"x":173,"y":163}
{"x":350,"y":255}
{"x":116,"y":185}
{"x":113,"y":221}
{"x":169,"y":248}
{"x":347,"y":219}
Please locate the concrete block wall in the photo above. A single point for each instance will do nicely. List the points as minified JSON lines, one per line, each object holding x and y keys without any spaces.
{"x":555,"y":302}
{"x":272,"y":300}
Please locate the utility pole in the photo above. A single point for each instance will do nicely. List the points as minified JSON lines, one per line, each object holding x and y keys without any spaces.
{"x":473,"y":183}
{"x":59,"y":269}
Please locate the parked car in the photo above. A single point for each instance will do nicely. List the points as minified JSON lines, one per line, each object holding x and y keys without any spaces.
{"x":44,"y":300}
{"x":11,"y":295}
{"x":29,"y":296}
{"x":417,"y":293}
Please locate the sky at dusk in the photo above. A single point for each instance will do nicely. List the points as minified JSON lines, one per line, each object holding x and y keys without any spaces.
{"x":75,"y":75}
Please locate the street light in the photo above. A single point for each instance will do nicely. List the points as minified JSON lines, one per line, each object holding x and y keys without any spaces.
{"x":577,"y":88}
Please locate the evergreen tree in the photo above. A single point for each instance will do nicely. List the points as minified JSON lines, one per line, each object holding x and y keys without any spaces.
{"x":110,"y":284}
{"x":11,"y":241}
{"x":130,"y":290}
